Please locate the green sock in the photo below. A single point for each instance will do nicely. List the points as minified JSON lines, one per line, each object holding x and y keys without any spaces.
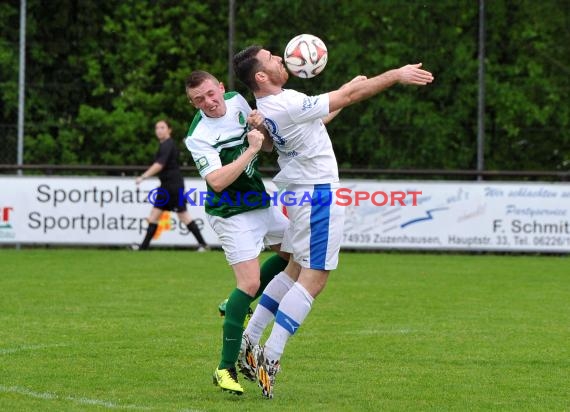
{"x":271,"y":267}
{"x":236,"y":309}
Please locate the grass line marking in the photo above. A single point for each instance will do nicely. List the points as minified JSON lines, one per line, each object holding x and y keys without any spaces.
{"x":80,"y":400}
{"x":8,"y":351}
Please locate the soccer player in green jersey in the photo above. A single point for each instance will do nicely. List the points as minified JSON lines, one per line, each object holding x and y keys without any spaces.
{"x":225,"y":149}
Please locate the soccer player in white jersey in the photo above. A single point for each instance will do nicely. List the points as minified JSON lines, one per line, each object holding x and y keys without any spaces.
{"x":296,"y":123}
{"x":225,"y":153}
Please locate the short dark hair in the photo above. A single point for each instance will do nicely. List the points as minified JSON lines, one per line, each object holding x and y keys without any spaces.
{"x":197,"y":77}
{"x":246,"y":65}
{"x":166,"y":122}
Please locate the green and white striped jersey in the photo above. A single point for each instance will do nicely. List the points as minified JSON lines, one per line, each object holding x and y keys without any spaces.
{"x":216,"y":142}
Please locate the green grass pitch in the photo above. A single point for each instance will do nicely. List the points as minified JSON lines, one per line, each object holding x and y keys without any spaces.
{"x":99,"y":330}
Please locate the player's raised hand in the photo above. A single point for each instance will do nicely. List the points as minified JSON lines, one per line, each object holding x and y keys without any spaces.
{"x":255,"y":119}
{"x":414,"y":74}
{"x":255,"y":139}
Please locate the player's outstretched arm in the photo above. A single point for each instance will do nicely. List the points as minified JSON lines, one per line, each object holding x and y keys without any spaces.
{"x":355,"y":92}
{"x":332,"y":115}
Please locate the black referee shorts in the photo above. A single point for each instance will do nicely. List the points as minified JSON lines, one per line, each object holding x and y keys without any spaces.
{"x":176,"y":202}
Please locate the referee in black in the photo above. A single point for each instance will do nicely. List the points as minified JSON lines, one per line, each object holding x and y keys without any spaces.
{"x":171,"y":181}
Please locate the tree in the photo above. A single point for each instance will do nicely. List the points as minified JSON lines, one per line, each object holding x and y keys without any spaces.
{"x":99,"y":75}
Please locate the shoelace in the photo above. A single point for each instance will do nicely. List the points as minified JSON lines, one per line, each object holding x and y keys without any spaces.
{"x":273,"y":367}
{"x":233,"y":373}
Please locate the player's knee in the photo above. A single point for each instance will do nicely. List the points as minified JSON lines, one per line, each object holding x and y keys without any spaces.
{"x":293,"y":269}
{"x":314,"y":281}
{"x":250,"y":286}
{"x":284,"y":255}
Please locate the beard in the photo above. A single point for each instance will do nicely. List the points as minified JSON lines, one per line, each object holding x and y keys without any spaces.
{"x":280,"y":77}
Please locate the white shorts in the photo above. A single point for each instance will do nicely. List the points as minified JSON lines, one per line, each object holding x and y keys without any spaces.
{"x":244,"y":236}
{"x":315,"y":229}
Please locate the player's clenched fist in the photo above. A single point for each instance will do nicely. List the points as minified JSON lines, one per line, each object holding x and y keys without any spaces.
{"x":255,"y":139}
{"x":255,"y":119}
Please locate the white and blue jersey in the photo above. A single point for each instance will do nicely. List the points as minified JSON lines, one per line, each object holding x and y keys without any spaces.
{"x":308,"y":166}
{"x":294,"y":121}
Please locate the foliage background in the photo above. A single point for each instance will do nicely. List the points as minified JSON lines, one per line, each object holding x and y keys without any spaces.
{"x":100,"y":73}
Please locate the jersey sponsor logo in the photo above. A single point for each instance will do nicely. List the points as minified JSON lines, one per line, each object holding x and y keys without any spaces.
{"x":292,"y":153}
{"x":308,"y":103}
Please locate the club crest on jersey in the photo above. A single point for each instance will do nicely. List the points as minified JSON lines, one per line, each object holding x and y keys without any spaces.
{"x":241,"y":118}
{"x":271,"y":127}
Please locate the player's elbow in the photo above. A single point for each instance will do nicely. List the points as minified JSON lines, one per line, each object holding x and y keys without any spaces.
{"x":340,"y":99}
{"x":217,"y":186}
{"x":215,"y":183}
